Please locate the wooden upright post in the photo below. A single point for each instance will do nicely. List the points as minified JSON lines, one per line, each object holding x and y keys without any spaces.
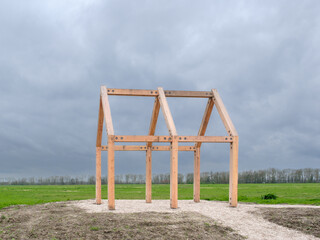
{"x":152,"y":129}
{"x":111,"y":203}
{"x":196,"y":176}
{"x":98,"y":175}
{"x":233,"y":174}
{"x":98,"y":154}
{"x":173,"y":138}
{"x":174,"y":173}
{"x":148,"y":175}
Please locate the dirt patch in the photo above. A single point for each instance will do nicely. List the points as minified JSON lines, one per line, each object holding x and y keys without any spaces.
{"x":63,"y":221}
{"x":306,"y":220}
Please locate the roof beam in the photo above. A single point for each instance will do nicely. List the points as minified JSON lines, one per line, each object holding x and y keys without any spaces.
{"x":144,"y":148}
{"x":141,"y":138}
{"x":154,"y":93}
{"x":166,"y":112}
{"x":224,"y":114}
{"x":106,"y":110}
{"x":100,"y":125}
{"x":205,"y":120}
{"x":154,"y":119}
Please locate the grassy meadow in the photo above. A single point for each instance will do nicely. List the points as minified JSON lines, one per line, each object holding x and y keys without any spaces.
{"x":295,"y":193}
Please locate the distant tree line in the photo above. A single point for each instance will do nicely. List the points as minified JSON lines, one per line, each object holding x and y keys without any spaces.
{"x":272,"y":175}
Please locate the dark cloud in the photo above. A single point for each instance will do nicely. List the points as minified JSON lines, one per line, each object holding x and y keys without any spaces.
{"x":263,"y":57}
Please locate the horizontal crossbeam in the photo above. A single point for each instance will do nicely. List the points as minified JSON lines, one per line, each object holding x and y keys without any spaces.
{"x":144,"y":148}
{"x":154,"y":93}
{"x":137,"y":138}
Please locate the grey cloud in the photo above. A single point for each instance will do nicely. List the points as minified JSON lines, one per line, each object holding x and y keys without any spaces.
{"x":263,"y":57}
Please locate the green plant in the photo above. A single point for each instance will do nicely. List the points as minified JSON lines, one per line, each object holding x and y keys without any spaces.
{"x":269,"y":196}
{"x":94,"y":228}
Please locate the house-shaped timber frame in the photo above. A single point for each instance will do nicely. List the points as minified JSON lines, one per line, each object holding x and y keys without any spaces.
{"x":173,"y":138}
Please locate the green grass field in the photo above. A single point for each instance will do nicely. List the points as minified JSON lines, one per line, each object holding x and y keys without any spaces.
{"x":302,"y":193}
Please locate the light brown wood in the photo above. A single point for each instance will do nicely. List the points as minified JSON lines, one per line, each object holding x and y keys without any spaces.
{"x":224,"y":114}
{"x":205,"y":120}
{"x":149,"y":175}
{"x":98,"y":175}
{"x":111,"y":201}
{"x":106,"y":110}
{"x":139,"y":138}
{"x":154,"y":119}
{"x":100,"y":125}
{"x":166,"y":113}
{"x":173,"y":138}
{"x":154,"y":93}
{"x":174,"y":173}
{"x":144,"y":148}
{"x":196,"y":176}
{"x":233,"y":173}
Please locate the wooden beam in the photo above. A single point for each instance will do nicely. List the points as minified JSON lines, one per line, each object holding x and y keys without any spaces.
{"x":224,"y":114}
{"x":98,"y":175}
{"x":196,"y":176}
{"x":139,"y":138}
{"x":106,"y":110}
{"x":111,"y":201}
{"x":174,"y":173}
{"x":149,"y":175}
{"x":205,"y":120}
{"x":166,"y":113}
{"x":233,"y":173}
{"x":145,"y":148}
{"x":154,"y":119}
{"x":154,"y":93}
{"x":100,"y":125}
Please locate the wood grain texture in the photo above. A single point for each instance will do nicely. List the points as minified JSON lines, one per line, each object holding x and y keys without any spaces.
{"x":98,"y":175}
{"x":149,"y":175}
{"x":154,"y":119}
{"x":196,"y":176}
{"x":106,"y":110}
{"x":100,"y":125}
{"x":139,"y":138}
{"x":174,"y":174}
{"x":111,"y":197}
{"x":145,"y":148}
{"x":224,"y":114}
{"x":154,"y":93}
{"x":167,"y":113}
{"x":205,"y":120}
{"x":233,"y":173}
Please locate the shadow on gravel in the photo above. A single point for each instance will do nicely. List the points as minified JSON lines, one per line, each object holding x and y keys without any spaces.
{"x":62,"y":221}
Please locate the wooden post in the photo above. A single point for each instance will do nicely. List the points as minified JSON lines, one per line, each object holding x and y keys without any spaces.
{"x":152,"y":129}
{"x":98,"y":175}
{"x":111,"y":203}
{"x":174,"y":173}
{"x":149,"y":175}
{"x":98,"y":154}
{"x":196,"y":176}
{"x":233,"y":174}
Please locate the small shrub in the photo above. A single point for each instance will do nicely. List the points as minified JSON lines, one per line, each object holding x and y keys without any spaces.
{"x":269,"y":196}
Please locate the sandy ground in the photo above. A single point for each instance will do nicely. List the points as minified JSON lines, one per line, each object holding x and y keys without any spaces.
{"x":245,"y":219}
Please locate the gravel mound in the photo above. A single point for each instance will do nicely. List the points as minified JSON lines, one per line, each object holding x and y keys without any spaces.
{"x":246,"y":219}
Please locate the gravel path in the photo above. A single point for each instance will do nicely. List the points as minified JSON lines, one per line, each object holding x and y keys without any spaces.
{"x":242,"y":219}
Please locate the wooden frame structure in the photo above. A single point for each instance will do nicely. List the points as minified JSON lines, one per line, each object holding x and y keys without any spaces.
{"x":173,"y":138}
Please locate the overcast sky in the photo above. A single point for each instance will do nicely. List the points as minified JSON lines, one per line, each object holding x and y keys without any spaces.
{"x":262,"y":56}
